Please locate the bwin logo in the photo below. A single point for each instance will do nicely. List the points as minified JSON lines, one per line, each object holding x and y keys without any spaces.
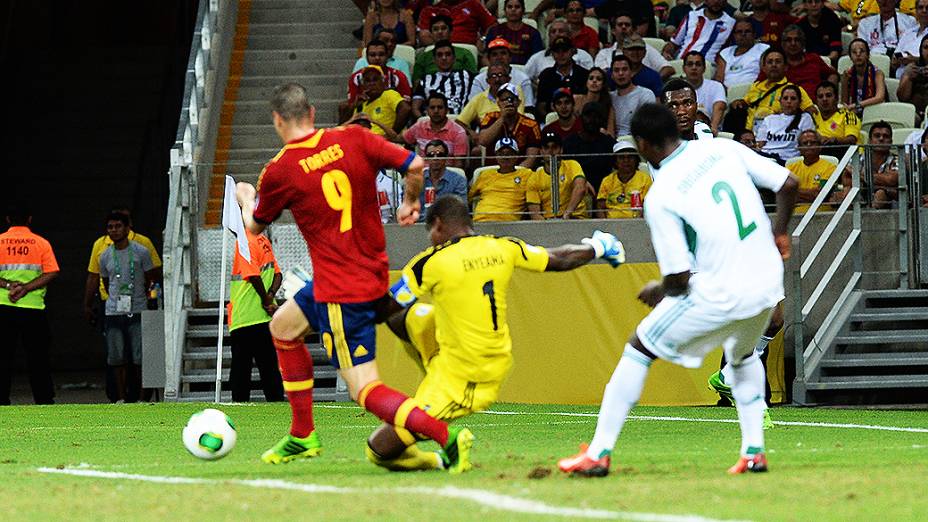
{"x":781,"y":136}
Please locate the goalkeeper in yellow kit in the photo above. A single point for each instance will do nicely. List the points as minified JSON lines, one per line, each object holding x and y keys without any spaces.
{"x":462,"y":340}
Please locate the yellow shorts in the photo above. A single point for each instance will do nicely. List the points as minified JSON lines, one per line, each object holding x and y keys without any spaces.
{"x":420,"y":326}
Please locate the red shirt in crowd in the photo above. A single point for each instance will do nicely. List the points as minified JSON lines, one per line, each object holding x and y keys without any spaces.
{"x":468,"y":17}
{"x":393,"y":78}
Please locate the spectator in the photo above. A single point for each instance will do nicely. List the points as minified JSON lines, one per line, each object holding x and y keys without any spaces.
{"x":803,"y":68}
{"x":913,"y":87}
{"x":127,"y":270}
{"x":614,"y":199}
{"x":508,"y":122}
{"x":768,"y":24}
{"x":763,"y":98}
{"x":388,"y":37}
{"x":812,"y":172}
{"x":883,"y":30}
{"x":581,"y":35}
{"x":822,"y":29}
{"x":862,"y":85}
{"x":778,"y":134}
{"x":454,"y":85}
{"x":739,"y":64}
{"x":437,"y":126}
{"x":908,"y":50}
{"x":567,"y":121}
{"x":498,"y":54}
{"x":486,"y":102}
{"x":634,"y":48}
{"x":572,"y":185}
{"x":388,"y":14}
{"x":464,"y":60}
{"x":884,"y":165}
{"x":746,"y":138}
{"x":565,"y":73}
{"x":438,"y":177}
{"x":710,"y":94}
{"x":543,"y":59}
{"x":641,"y":12}
{"x":394,"y":79}
{"x":596,"y":92}
{"x":679,"y":13}
{"x":499,"y":194}
{"x":27,"y":266}
{"x":705,"y":30}
{"x":622,"y":28}
{"x":591,"y":147}
{"x":470,"y":19}
{"x":835,"y":126}
{"x":856,"y":10}
{"x":627,"y":96}
{"x":524,"y":40}
{"x":251,"y":305}
{"x":385,"y":108}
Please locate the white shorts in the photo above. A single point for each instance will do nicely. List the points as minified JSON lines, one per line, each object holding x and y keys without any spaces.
{"x":683,"y":330}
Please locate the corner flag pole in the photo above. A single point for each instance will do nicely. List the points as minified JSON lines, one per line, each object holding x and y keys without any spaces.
{"x":222,"y":300}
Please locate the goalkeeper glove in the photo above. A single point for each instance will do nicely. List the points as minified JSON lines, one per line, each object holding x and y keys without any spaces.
{"x":606,"y":246}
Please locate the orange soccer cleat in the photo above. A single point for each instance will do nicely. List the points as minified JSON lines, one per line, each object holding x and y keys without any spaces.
{"x":582,"y":465}
{"x":756,"y":463}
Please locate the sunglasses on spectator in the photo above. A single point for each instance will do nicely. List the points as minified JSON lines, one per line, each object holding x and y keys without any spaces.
{"x":436,"y":154}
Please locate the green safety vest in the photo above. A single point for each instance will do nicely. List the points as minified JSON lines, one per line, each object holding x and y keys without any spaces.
{"x":244,"y":304}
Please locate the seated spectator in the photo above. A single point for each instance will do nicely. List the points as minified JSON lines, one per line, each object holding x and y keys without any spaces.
{"x":884,"y":165}
{"x":710,"y":94}
{"x":508,"y":122}
{"x":543,"y":59}
{"x":567,"y":121}
{"x":390,"y":14}
{"x":882,"y":31}
{"x":524,"y":40}
{"x":705,"y":30}
{"x":812,"y":172}
{"x":908,"y":50}
{"x":565,"y":73}
{"x":857,"y":10}
{"x":768,"y":24}
{"x":498,"y":54}
{"x":572,"y":186}
{"x":389,"y":39}
{"x":437,"y":177}
{"x":437,"y":126}
{"x":763,"y":98}
{"x":614,"y":199}
{"x":835,"y":126}
{"x":622,"y":28}
{"x":739,"y":64}
{"x":803,"y":68}
{"x":591,"y":147}
{"x":746,"y":138}
{"x":464,"y":60}
{"x":678,"y":13}
{"x":863,"y":84}
{"x":778,"y":134}
{"x":634,"y":48}
{"x":581,"y":35}
{"x":641,"y":12}
{"x":499,"y":194}
{"x":470,"y":19}
{"x":913,"y":87}
{"x":486,"y":102}
{"x":627,"y":96}
{"x":596,"y":92}
{"x":822,"y":28}
{"x":454,"y":85}
{"x":384,"y":108}
{"x":393,"y":78}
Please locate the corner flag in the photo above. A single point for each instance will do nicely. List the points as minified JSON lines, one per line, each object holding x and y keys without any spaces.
{"x":232,"y":218}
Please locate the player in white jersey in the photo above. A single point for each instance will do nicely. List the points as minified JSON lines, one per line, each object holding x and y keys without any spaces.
{"x":722,"y":270}
{"x":680,"y":97}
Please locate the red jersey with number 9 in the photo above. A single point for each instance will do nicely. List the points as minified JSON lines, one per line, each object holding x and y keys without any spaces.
{"x":328,"y":179}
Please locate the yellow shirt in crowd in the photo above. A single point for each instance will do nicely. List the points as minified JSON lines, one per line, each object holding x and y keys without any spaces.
{"x":500,"y":197}
{"x":539,"y":189}
{"x":841,"y":124}
{"x":382,"y":110}
{"x":617,"y":194}
{"x":810,"y":177}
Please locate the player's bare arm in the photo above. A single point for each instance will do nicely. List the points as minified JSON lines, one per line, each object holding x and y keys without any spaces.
{"x":786,"y":198}
{"x":653,"y":292}
{"x":408,"y":213}
{"x":245,"y":194}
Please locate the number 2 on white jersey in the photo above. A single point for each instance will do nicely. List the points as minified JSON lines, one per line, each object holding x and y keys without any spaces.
{"x":337,"y":191}
{"x":717,"y":189}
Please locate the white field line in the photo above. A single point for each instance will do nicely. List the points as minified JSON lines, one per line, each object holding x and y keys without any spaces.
{"x":484,"y":498}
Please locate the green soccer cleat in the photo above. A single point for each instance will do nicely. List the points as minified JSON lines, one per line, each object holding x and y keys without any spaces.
{"x":292,"y":448}
{"x":456,"y":453}
{"x":717,"y":383}
{"x":768,"y":422}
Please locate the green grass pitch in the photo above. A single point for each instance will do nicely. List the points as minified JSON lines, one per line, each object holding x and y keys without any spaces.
{"x":663,"y":469}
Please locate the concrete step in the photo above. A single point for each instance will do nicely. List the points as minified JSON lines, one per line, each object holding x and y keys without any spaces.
{"x":276,"y":13}
{"x":292,"y":4}
{"x":292,"y":68}
{"x":868,"y":360}
{"x":336,"y":88}
{"x":865,"y":382}
{"x":883,"y":337}
{"x":919,"y":313}
{"x":326,"y":112}
{"x":895,"y":293}
{"x":303,"y":40}
{"x":307,"y":26}
{"x":306,"y":80}
{"x":259,"y":141}
{"x":303,"y":54}
{"x":253,"y":155}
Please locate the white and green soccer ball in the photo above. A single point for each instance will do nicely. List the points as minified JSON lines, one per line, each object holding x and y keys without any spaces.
{"x":209,"y":434}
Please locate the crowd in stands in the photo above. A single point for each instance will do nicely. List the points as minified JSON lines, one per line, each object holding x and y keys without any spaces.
{"x":504,"y":86}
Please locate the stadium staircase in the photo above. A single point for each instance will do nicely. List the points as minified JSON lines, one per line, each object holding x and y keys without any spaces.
{"x":246,"y":49}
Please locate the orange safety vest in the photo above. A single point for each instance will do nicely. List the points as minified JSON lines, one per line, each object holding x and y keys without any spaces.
{"x":25,"y":256}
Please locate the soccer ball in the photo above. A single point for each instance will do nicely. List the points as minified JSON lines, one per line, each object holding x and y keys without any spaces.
{"x":209,"y":434}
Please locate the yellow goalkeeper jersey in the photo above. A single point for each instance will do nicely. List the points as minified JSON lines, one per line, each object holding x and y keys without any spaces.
{"x":467,"y":279}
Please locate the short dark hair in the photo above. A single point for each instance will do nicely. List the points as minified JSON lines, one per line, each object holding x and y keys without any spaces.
{"x":441,"y":18}
{"x":438,"y":143}
{"x":290,"y":102}
{"x":382,"y":30}
{"x":376,"y":43}
{"x":441,"y":44}
{"x":655,"y":124}
{"x":827,"y":85}
{"x":694,"y":53}
{"x":451,"y":210}
{"x":619,"y":58}
{"x":437,"y":95}
{"x":768,"y":52}
{"x":678,"y":84}
{"x":116,"y":216}
{"x":882,"y":124}
{"x":18,"y":213}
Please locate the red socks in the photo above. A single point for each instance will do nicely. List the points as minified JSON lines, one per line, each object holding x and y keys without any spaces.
{"x":399,"y":410}
{"x":296,"y":368}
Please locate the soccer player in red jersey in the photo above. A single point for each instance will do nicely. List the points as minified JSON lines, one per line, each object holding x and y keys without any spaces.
{"x":327,"y":178}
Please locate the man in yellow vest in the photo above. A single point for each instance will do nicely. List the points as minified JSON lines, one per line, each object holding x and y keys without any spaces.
{"x":251,"y":305}
{"x":27,"y":265}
